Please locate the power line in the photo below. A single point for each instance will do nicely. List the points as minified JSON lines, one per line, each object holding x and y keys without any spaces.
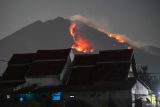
{"x":153,"y":73}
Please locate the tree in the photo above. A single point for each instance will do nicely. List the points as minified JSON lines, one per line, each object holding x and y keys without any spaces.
{"x":143,"y":74}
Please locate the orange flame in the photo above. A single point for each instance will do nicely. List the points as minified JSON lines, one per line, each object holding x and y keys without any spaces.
{"x":72,"y":29}
{"x":79,"y":43}
{"x":118,"y":37}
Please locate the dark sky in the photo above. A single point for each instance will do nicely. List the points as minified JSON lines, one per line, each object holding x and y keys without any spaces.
{"x":137,"y":19}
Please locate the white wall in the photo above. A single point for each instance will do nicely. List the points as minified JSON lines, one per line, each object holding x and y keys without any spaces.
{"x":139,"y":88}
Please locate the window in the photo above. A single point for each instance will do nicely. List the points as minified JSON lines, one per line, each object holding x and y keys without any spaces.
{"x":56,"y":96}
{"x":21,"y":99}
{"x":26,"y":96}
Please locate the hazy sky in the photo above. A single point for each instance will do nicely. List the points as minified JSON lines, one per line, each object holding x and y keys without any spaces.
{"x":138,"y":19}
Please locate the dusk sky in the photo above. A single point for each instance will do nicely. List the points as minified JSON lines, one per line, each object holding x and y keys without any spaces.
{"x":137,"y":19}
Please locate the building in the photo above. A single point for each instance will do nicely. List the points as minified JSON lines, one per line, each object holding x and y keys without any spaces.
{"x":108,"y":78}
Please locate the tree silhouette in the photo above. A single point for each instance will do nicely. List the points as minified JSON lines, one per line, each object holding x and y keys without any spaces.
{"x":143,"y":74}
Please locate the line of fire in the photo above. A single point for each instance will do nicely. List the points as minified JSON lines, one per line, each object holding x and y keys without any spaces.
{"x":60,"y":78}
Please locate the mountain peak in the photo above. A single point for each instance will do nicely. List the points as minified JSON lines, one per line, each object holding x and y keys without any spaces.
{"x":57,"y":19}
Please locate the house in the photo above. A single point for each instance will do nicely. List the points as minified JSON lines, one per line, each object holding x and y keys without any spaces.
{"x":14,"y":76}
{"x":108,"y":78}
{"x":15,"y":72}
{"x":49,"y":67}
{"x":105,"y":79}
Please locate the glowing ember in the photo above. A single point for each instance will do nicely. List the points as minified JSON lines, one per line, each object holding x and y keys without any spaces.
{"x":129,"y":47}
{"x":118,"y":37}
{"x":82,"y":45}
{"x":79,"y":43}
{"x":72,"y":29}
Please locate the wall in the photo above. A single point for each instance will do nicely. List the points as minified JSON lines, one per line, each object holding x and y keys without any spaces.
{"x":139,"y":88}
{"x":44,"y":81}
{"x":100,"y":98}
{"x":139,"y":91}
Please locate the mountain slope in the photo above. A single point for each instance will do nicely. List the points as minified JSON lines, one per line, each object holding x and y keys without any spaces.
{"x":53,"y":34}
{"x":147,"y":58}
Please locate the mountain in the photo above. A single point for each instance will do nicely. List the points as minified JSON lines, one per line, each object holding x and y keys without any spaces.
{"x":147,"y":57}
{"x":152,"y":50}
{"x":54,"y":34}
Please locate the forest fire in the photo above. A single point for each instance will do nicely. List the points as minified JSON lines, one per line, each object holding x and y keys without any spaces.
{"x":82,"y":45}
{"x":79,"y":43}
{"x":118,"y":37}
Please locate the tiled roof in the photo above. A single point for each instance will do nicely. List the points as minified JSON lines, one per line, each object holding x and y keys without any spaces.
{"x":81,"y":76}
{"x":52,"y":54}
{"x":109,"y":66}
{"x":115,"y":55}
{"x":112,"y":72}
{"x":86,"y":69}
{"x":15,"y":73}
{"x":84,"y":60}
{"x":45,"y":68}
{"x":21,"y":59}
{"x":16,"y":70}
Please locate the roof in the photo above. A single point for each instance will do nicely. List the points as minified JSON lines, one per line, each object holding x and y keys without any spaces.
{"x":107,"y":66}
{"x":85,"y":59}
{"x":45,"y":68}
{"x":52,"y":54}
{"x":112,"y":72}
{"x":48,"y":62}
{"x":15,"y":73}
{"x":10,"y":83}
{"x":17,"y":67}
{"x":83,"y":75}
{"x":21,"y":58}
{"x":115,"y":55}
{"x":13,"y":76}
{"x":113,"y":65}
{"x":82,"y":69}
{"x":16,"y":70}
{"x":100,"y":73}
